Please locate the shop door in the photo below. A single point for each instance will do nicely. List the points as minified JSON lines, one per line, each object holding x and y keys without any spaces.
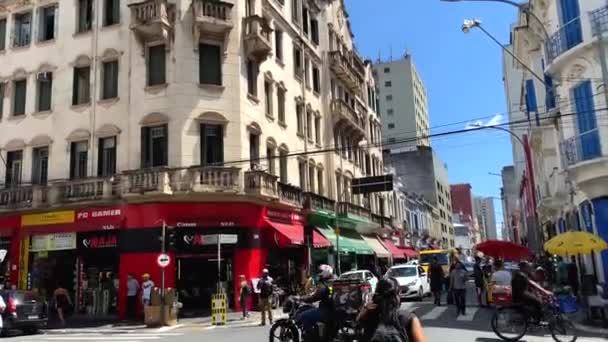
{"x":197,"y":281}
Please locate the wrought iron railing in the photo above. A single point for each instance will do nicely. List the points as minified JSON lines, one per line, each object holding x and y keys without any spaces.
{"x":582,"y":147}
{"x":564,"y":39}
{"x":599,"y":20}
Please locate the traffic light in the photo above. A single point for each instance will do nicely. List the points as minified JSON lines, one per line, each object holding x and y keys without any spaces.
{"x":171,"y":239}
{"x":308,"y":234}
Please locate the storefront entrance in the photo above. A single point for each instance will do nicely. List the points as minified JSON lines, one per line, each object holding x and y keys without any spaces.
{"x":197,"y":281}
{"x":85,"y":264}
{"x":200,"y":269}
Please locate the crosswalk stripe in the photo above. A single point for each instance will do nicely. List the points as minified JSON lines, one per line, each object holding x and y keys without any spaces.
{"x":435,"y":313}
{"x":471,"y":311}
{"x":102,"y":338}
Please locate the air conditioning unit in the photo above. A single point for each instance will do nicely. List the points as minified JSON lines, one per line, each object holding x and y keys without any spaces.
{"x":44,"y":76}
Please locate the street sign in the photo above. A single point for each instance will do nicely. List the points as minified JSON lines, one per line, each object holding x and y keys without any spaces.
{"x":368,"y":185}
{"x":163,"y":260}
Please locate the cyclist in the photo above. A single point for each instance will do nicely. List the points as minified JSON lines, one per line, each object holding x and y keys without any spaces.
{"x":322,"y":294}
{"x":528,"y":292}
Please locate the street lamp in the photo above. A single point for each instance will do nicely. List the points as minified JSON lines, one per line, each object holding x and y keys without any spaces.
{"x":524,"y":7}
{"x":476,"y":23}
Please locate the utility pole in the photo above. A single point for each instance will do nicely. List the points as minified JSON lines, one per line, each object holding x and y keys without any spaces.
{"x":162,"y":274}
{"x":602,"y":55}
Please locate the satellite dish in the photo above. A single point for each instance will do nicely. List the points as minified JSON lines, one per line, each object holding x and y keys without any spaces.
{"x":3,"y":253}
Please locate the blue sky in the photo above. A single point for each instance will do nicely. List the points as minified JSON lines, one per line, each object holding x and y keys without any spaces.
{"x":462,"y":74}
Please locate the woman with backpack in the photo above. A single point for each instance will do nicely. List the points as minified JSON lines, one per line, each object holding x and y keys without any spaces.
{"x":382,"y":320}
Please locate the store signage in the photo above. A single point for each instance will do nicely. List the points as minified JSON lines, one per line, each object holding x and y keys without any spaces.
{"x":55,"y":217}
{"x":95,"y":242}
{"x":53,"y":242}
{"x":283,"y":215}
{"x":98,"y":213}
{"x":207,"y":240}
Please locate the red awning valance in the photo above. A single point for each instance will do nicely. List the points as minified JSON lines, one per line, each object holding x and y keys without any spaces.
{"x":287,"y":235}
{"x":395,"y":251}
{"x":410,"y":253}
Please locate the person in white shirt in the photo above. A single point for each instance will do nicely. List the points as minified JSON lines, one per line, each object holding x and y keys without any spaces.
{"x":2,"y":308}
{"x":132,"y":290}
{"x":146,"y":288}
{"x":501,"y":278}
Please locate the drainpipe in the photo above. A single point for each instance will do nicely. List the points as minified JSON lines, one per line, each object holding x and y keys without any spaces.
{"x":94,"y":67}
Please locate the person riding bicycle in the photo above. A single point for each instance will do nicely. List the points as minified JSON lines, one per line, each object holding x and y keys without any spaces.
{"x":322,"y":294}
{"x":528,"y":292}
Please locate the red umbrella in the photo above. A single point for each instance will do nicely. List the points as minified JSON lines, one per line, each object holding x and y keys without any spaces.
{"x":504,"y":250}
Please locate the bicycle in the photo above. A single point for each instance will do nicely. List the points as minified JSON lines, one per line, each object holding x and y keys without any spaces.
{"x":511,"y":322}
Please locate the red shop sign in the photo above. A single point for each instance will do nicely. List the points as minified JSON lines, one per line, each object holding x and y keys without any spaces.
{"x":284,"y":216}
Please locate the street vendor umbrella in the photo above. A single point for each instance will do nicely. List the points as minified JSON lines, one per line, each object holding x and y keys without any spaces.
{"x":504,"y":250}
{"x":575,"y":242}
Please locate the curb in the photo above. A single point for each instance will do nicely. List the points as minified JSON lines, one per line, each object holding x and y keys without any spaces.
{"x":592,"y":330}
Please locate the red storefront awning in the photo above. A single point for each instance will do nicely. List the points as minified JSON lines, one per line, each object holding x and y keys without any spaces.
{"x":293,"y":234}
{"x":409,"y":252}
{"x":395,"y":251}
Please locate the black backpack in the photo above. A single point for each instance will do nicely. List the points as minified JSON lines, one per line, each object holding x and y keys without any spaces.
{"x":397,"y":332}
{"x":265,"y":289}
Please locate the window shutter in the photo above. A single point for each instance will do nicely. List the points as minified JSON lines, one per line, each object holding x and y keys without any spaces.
{"x":220,"y":142}
{"x":145,"y":148}
{"x":75,"y":87}
{"x":531,"y":97}
{"x":56,"y":24}
{"x":165,"y":160}
{"x":100,"y":160}
{"x":203,"y":144}
{"x":72,"y":160}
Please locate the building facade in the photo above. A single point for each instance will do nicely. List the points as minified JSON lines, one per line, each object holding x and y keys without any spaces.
{"x":210,"y":117}
{"x":510,"y":205}
{"x":403,"y":102}
{"x":564,"y":180}
{"x":486,"y":217}
{"x":425,"y":174}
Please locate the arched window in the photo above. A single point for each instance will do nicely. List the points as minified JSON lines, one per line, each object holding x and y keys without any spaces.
{"x":283,"y":163}
{"x":212,"y":131}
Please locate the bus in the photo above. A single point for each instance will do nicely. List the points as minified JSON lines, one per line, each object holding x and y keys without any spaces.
{"x":444,"y":257}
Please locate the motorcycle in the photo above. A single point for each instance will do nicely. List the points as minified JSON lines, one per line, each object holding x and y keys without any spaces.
{"x":348,"y":298}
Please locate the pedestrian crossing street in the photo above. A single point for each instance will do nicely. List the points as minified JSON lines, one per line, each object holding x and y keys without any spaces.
{"x":430,"y":312}
{"x":120,"y":336}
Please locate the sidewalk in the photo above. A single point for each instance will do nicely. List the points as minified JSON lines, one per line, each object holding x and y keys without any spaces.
{"x":580,"y":323}
{"x":234,"y":319}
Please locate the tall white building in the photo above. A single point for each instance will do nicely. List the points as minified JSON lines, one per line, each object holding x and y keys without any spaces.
{"x":211,"y":116}
{"x":566,"y":181}
{"x":486,"y":217}
{"x":403,"y":103}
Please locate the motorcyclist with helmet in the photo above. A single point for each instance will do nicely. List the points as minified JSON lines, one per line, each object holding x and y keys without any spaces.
{"x":323,"y":312}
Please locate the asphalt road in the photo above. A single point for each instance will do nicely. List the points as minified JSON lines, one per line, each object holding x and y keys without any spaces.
{"x":440,"y":324}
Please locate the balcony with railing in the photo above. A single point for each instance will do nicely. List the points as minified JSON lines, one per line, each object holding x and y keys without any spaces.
{"x":344,"y":116}
{"x":581,"y":148}
{"x":212,"y":17}
{"x":350,"y":209}
{"x":290,"y":194}
{"x":18,"y":197}
{"x":79,"y":190}
{"x":599,"y":20}
{"x":214,"y":179}
{"x":258,"y":45}
{"x":318,"y":202}
{"x":565,"y":38}
{"x":345,"y":70}
{"x":146,"y":181}
{"x":587,"y":162}
{"x":152,"y":19}
{"x":261,"y":183}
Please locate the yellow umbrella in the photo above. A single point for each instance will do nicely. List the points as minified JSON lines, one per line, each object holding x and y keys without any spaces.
{"x":575,"y":242}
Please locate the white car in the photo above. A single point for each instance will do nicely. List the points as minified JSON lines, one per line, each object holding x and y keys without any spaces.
{"x":361,"y":275}
{"x":413,"y":281}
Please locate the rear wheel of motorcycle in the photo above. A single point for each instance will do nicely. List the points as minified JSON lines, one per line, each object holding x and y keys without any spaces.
{"x":284,"y":331}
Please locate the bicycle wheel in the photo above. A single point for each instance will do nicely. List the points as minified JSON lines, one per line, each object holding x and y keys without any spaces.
{"x":509,"y":324}
{"x":284,"y":331}
{"x":562,"y":329}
